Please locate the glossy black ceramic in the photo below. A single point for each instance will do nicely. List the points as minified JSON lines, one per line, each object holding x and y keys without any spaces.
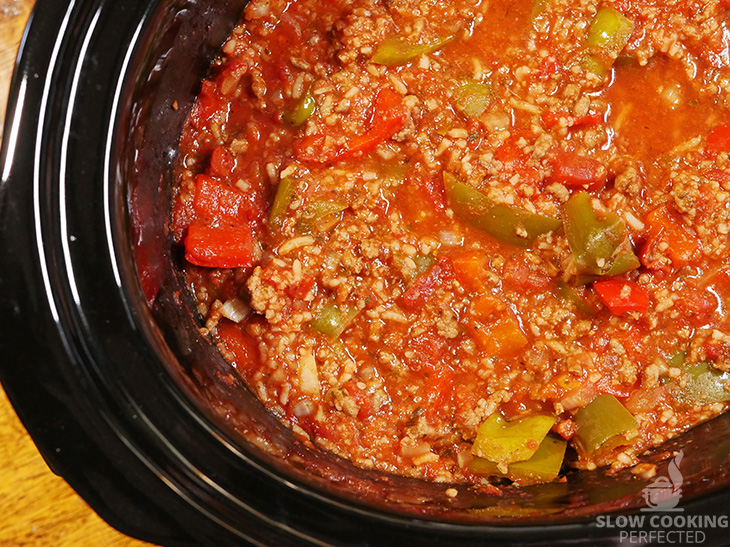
{"x":100,"y":353}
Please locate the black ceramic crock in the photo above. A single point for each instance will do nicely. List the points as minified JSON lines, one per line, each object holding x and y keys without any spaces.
{"x":102,"y":359}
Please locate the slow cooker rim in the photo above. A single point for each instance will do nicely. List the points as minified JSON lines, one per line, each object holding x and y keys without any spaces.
{"x":26,"y":74}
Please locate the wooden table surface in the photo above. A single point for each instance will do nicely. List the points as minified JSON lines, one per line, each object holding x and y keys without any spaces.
{"x":37,"y":507}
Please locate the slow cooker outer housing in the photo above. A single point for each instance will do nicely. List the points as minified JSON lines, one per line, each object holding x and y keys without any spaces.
{"x":102,"y":359}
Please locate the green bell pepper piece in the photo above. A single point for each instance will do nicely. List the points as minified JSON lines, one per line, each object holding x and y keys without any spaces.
{"x":599,"y":246}
{"x":507,"y":224}
{"x":467,"y":201}
{"x":539,"y":6}
{"x":504,"y":442}
{"x":332,"y":320}
{"x":423,"y":264}
{"x":396,"y":51}
{"x":516,"y":226}
{"x":608,"y":35}
{"x":282,"y":199}
{"x":567,"y":293}
{"x":543,"y":466}
{"x":302,"y":111}
{"x":705,"y":384}
{"x":320,"y":216}
{"x":603,"y":422}
{"x":472,"y":98}
{"x":610,"y":30}
{"x":623,"y":262}
{"x":593,"y":64}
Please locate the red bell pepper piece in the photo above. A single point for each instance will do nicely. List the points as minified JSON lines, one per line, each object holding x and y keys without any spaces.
{"x":574,"y":170}
{"x":217,"y":200}
{"x":389,"y":116}
{"x":219,"y":247}
{"x":681,"y":245}
{"x":423,"y":287}
{"x":718,"y":140}
{"x":470,"y":270}
{"x":621,"y":296}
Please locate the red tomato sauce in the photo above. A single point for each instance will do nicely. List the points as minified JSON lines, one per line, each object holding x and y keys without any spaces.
{"x":450,"y":239}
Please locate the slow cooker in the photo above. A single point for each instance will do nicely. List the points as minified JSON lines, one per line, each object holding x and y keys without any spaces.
{"x":104,"y":363}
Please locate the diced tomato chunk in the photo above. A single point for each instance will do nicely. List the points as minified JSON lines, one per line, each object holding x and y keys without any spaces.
{"x":511,"y":153}
{"x":548,"y":67}
{"x":470,"y":270}
{"x":243,"y":346}
{"x":219,"y":247}
{"x":501,"y":337}
{"x":363,"y":401}
{"x":697,"y":304}
{"x":301,"y":289}
{"x":288,"y":34}
{"x":315,"y":149}
{"x":718,"y":140}
{"x":718,"y":175}
{"x":525,"y":276}
{"x":219,"y":201}
{"x":222,"y":163}
{"x":421,"y":290}
{"x":433,"y":188}
{"x":438,"y":387}
{"x":428,"y":350}
{"x":715,"y":350}
{"x":574,"y":170}
{"x":667,"y":236}
{"x":388,"y":117}
{"x":621,"y":296}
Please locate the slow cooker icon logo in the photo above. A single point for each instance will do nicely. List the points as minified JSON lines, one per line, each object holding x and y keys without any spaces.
{"x":665,"y":493}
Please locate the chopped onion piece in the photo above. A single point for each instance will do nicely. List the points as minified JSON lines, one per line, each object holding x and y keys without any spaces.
{"x":303,"y":408}
{"x":634,"y":222}
{"x":308,"y":373}
{"x":235,"y":309}
{"x":414,"y":449}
